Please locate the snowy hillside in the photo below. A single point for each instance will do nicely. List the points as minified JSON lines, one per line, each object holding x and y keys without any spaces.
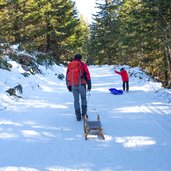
{"x":39,"y":131}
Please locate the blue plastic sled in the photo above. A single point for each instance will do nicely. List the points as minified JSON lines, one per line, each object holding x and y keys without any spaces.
{"x":115,"y":91}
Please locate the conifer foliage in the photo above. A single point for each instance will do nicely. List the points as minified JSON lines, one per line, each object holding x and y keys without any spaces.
{"x":134,"y":32}
{"x":50,"y":26}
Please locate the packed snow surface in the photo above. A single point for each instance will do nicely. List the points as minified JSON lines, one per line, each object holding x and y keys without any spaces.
{"x":39,"y":131}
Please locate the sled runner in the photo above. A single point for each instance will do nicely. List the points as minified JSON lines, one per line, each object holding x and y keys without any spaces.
{"x":115,"y":91}
{"x":92,"y":126}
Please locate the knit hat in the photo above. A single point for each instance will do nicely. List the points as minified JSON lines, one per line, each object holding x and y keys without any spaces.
{"x":122,"y":69}
{"x":77,"y":56}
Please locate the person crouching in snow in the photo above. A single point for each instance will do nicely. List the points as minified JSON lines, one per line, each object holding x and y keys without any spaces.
{"x":125,"y":79}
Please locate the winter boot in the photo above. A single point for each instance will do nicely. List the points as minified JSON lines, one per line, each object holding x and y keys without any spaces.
{"x":78,"y":115}
{"x":84,"y":111}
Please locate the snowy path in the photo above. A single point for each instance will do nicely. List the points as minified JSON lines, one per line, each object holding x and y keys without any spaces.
{"x":40,"y":132}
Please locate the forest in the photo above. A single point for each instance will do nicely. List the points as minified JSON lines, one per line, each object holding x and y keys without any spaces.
{"x":123,"y":32}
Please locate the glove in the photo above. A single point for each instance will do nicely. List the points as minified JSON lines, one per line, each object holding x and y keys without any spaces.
{"x":89,"y":85}
{"x":69,"y":88}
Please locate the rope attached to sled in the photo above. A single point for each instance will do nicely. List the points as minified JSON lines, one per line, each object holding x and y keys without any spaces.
{"x":90,"y":102}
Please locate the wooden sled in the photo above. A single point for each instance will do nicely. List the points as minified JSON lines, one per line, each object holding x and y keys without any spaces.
{"x":93,"y":126}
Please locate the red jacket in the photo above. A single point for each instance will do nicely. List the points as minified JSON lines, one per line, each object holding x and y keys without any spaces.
{"x":84,"y":77}
{"x":123,"y":74}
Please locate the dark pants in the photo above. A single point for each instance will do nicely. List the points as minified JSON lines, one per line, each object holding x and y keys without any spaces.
{"x":79,"y":91}
{"x":125,"y":85}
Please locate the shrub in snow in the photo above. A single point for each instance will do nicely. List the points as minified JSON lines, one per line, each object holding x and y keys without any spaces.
{"x":4,"y":64}
{"x":25,"y":74}
{"x":61,"y":76}
{"x":45,"y":59}
{"x":15,"y":90}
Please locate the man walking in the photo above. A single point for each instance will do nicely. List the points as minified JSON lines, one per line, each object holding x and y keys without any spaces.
{"x":78,"y":81}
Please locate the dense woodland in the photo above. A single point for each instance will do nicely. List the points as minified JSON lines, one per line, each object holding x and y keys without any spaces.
{"x":132,"y":32}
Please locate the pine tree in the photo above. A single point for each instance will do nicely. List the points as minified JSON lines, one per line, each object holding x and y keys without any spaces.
{"x":49,"y":26}
{"x":134,"y":32}
{"x":104,"y":33}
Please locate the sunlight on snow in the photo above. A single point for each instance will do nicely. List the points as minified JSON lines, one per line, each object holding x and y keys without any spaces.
{"x":47,"y":89}
{"x":35,"y":104}
{"x":8,"y":122}
{"x":10,"y":168}
{"x":134,"y":109}
{"x":35,"y":134}
{"x":30,"y":133}
{"x":108,"y":138}
{"x":102,"y":75}
{"x":5,"y":135}
{"x":101,"y":90}
{"x":135,"y":141}
{"x":57,"y":168}
{"x":102,"y":84}
{"x":43,"y":104}
{"x":137,"y":88}
{"x":29,"y":122}
{"x":98,"y":138}
{"x":47,"y":134}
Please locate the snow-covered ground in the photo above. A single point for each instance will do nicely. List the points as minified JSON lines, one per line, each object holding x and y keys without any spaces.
{"x":39,"y":132}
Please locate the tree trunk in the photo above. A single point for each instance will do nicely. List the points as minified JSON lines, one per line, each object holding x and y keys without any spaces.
{"x":167,"y":50}
{"x":169,"y":65}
